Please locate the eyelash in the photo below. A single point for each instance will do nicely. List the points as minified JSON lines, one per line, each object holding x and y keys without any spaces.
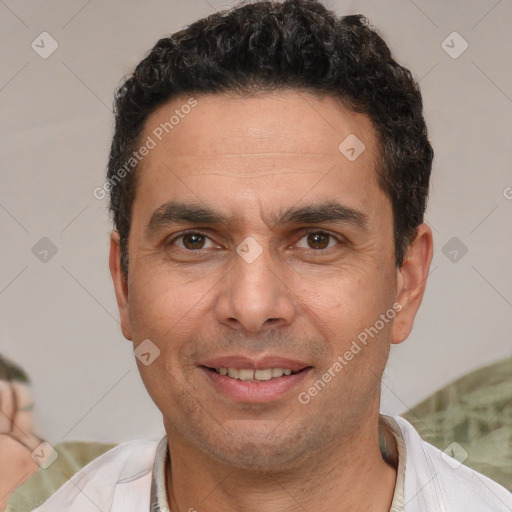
{"x":302,"y":233}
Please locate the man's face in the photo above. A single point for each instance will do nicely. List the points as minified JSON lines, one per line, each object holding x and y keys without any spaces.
{"x":251,"y":285}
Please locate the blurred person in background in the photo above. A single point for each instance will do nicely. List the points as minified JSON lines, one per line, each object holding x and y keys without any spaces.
{"x":17,"y":437}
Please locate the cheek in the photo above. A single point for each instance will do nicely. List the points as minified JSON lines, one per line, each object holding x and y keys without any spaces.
{"x":170,"y":313}
{"x":162,"y":305}
{"x":347,"y":312}
{"x":346,"y":298}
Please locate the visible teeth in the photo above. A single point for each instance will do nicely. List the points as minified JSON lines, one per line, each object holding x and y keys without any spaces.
{"x":246,"y":374}
{"x":263,"y":374}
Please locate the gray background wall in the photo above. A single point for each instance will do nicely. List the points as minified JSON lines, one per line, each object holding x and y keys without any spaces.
{"x":59,"y":318}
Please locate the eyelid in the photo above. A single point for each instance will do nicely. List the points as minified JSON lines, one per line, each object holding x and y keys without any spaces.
{"x":307,"y":231}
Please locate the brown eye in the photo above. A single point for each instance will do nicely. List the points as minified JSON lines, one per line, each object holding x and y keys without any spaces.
{"x":318,"y":241}
{"x":191,"y":241}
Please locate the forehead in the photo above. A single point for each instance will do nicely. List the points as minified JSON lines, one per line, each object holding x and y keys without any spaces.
{"x":267,"y":150}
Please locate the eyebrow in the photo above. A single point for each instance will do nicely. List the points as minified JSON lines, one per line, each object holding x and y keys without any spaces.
{"x":175,"y":212}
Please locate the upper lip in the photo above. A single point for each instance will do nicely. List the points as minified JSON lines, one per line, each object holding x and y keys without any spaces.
{"x":261,"y":363}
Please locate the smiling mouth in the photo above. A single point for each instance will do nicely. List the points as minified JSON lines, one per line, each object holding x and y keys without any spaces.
{"x":250,"y":375}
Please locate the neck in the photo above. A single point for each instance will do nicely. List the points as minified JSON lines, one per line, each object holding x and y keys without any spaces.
{"x":355,"y":474}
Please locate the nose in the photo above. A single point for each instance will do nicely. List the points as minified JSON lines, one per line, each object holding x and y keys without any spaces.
{"x":254,"y":297}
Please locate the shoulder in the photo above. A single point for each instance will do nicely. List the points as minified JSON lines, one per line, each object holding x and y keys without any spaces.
{"x":436,"y":481}
{"x":125,"y":468}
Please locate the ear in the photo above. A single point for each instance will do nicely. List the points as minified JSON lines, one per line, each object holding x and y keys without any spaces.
{"x":120,"y":284}
{"x":411,"y":281}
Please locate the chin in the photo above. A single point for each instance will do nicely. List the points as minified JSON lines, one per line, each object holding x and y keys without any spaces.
{"x":260,"y":449}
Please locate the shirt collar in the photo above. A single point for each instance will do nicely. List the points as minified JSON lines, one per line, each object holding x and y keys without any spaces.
{"x":397,"y":504}
{"x":159,"y":501}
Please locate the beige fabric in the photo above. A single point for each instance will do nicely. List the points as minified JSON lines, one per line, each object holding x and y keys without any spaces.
{"x":397,"y":504}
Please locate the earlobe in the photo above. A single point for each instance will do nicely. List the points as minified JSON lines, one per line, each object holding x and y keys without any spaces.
{"x":120,"y":284}
{"x":411,"y":282}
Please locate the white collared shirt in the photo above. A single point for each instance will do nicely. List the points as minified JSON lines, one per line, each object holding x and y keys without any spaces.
{"x":131,"y":478}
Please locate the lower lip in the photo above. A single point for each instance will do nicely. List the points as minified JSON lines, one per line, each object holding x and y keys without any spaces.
{"x":255,"y":392}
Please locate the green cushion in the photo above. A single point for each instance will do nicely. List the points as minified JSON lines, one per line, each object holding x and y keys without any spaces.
{"x":44,"y":482}
{"x":474,"y":411}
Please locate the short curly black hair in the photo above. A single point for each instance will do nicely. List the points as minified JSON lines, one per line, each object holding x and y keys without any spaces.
{"x":267,"y":46}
